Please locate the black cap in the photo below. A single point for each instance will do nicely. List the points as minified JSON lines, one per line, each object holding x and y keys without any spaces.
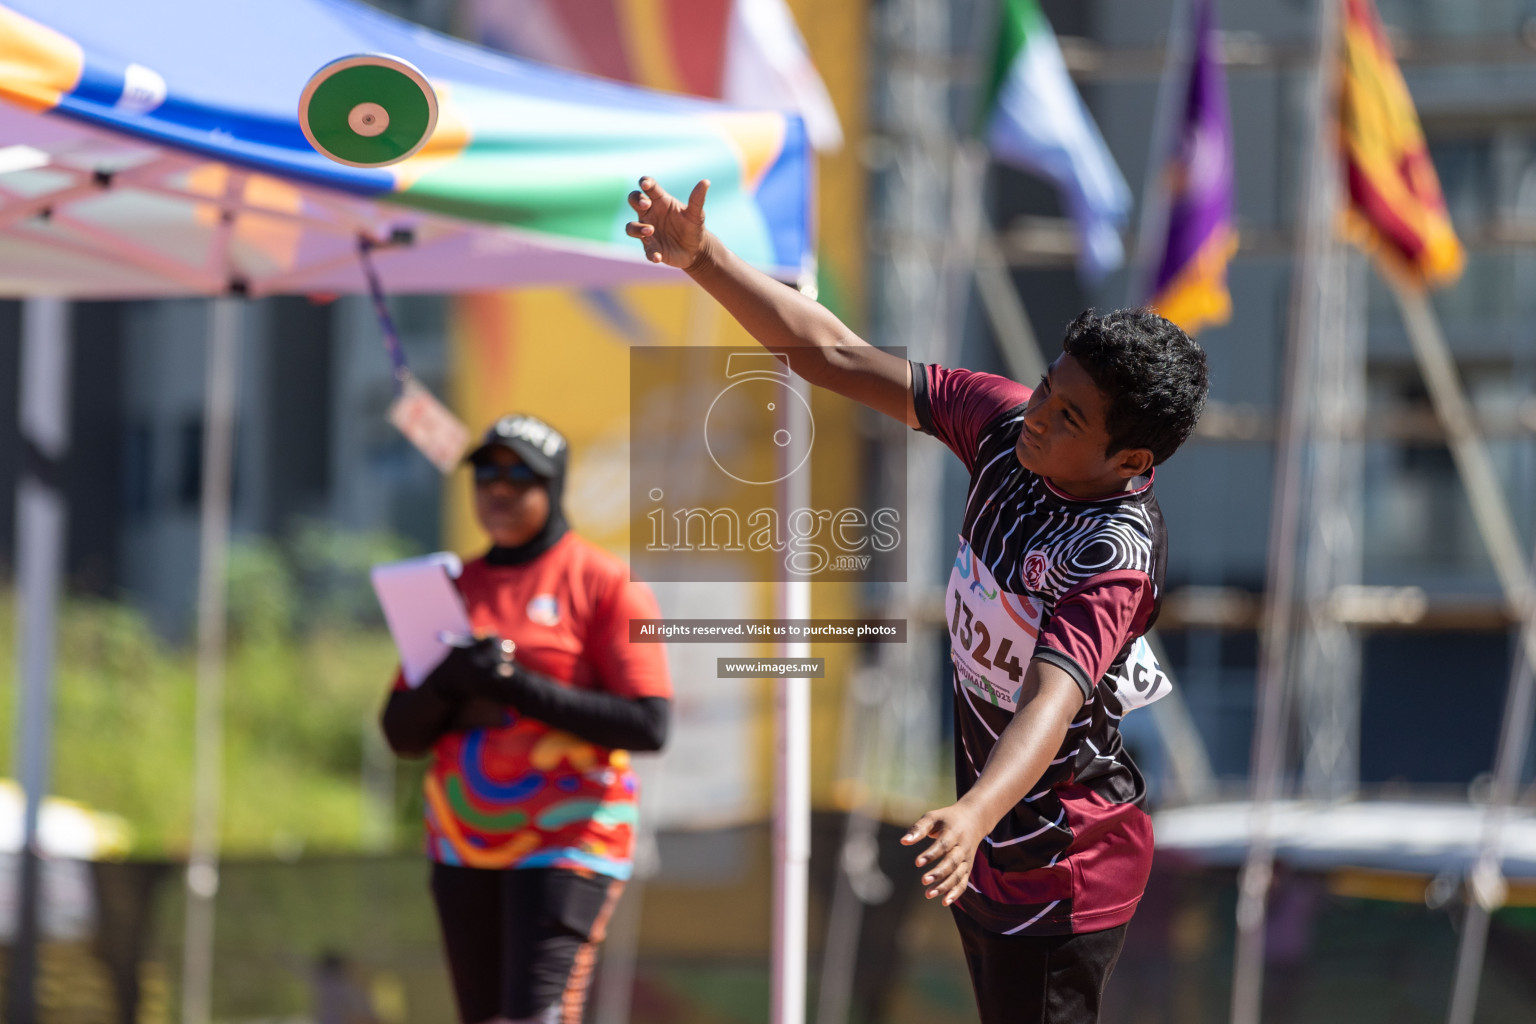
{"x":541,"y":447}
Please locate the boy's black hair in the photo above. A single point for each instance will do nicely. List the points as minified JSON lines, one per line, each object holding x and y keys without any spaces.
{"x":1152,"y":375}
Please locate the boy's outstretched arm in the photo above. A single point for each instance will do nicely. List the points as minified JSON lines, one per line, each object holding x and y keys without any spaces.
{"x":1048,"y":699}
{"x":817,"y":344}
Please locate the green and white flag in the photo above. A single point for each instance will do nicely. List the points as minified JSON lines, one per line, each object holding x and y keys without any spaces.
{"x":1036,"y":121}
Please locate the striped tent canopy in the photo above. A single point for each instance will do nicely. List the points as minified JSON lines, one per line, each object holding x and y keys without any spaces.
{"x":153,"y":148}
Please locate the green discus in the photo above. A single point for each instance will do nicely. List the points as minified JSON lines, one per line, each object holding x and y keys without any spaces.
{"x":369,"y":110}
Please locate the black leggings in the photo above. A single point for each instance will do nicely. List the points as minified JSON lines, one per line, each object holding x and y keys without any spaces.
{"x":521,"y":943}
{"x":1038,"y":979}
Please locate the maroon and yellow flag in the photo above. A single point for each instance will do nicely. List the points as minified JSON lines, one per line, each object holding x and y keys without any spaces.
{"x":1396,"y":211}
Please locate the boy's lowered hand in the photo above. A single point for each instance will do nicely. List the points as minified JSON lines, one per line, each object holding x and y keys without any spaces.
{"x":1048,"y":700}
{"x":672,"y":233}
{"x":956,"y":830}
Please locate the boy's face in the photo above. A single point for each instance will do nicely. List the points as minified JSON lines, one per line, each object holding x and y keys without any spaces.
{"x":1065,"y":438}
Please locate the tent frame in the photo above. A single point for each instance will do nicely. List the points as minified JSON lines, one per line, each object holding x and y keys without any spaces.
{"x":156,"y":177}
{"x":342,"y":217}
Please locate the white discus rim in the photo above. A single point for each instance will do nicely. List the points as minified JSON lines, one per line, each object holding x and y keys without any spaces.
{"x":375,"y":60}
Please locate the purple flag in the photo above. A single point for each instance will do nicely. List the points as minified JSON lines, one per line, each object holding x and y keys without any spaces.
{"x":1191,"y":284}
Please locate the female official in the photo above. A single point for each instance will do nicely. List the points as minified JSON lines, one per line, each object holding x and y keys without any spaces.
{"x":530,"y":799}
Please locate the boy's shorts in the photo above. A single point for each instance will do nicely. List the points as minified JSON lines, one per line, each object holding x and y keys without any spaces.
{"x":521,"y":943}
{"x":1038,"y":979}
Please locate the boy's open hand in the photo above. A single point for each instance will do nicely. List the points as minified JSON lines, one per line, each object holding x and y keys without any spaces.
{"x":956,"y":831}
{"x":671,"y":232}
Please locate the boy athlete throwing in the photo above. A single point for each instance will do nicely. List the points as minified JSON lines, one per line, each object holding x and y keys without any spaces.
{"x":1045,"y":854}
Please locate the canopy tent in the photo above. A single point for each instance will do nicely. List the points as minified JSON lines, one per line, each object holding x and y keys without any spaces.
{"x":168,"y":160}
{"x":153,"y":150}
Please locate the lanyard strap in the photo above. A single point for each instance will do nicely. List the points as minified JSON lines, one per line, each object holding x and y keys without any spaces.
{"x":402,"y":371}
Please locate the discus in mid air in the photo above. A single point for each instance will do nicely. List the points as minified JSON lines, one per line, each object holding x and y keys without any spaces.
{"x":368,"y":110}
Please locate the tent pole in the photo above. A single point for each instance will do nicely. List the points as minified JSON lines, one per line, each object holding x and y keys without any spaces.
{"x":202,"y":878}
{"x":41,"y":517}
{"x":792,"y":758}
{"x":1319,"y":199}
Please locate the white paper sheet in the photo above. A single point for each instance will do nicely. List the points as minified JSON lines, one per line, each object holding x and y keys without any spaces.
{"x":420,"y":602}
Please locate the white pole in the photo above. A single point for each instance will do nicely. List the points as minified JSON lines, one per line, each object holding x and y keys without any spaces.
{"x":1016,"y":339}
{"x":1486,"y":889}
{"x":1327,"y":672}
{"x":41,"y":517}
{"x":1189,"y":760}
{"x":1320,"y":187}
{"x":972,"y":253}
{"x":1490,"y":510}
{"x":1187,"y":753}
{"x":792,"y":759}
{"x":208,"y":743}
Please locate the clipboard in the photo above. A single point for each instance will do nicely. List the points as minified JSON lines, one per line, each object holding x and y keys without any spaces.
{"x":420,"y":605}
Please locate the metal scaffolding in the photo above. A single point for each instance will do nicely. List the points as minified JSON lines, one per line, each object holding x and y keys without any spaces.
{"x":1326,"y":668}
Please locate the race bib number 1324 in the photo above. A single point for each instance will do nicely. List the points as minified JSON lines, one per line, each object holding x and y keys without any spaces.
{"x":992,"y":636}
{"x":991,"y":632}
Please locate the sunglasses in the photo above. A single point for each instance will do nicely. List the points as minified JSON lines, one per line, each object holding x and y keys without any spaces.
{"x":516,"y":474}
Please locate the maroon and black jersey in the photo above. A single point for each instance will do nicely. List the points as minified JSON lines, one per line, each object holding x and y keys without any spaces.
{"x":1042,"y":574}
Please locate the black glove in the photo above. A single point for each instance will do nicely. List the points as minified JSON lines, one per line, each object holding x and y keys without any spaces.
{"x":596,"y":716}
{"x":413,"y":720}
{"x":472,"y":671}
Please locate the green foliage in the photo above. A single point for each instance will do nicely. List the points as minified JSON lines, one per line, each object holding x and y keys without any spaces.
{"x":331,"y":567}
{"x":307,"y":670}
{"x":263,"y":599}
{"x":316,"y":579}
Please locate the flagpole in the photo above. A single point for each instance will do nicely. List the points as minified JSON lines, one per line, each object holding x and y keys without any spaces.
{"x":1187,"y":751}
{"x":1153,"y":221}
{"x":1320,"y":186}
{"x":1486,"y":889}
{"x":1485,"y":886}
{"x":988,"y":267}
{"x":1490,"y":508}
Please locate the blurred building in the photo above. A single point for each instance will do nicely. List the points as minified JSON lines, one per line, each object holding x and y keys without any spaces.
{"x":312,"y":442}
